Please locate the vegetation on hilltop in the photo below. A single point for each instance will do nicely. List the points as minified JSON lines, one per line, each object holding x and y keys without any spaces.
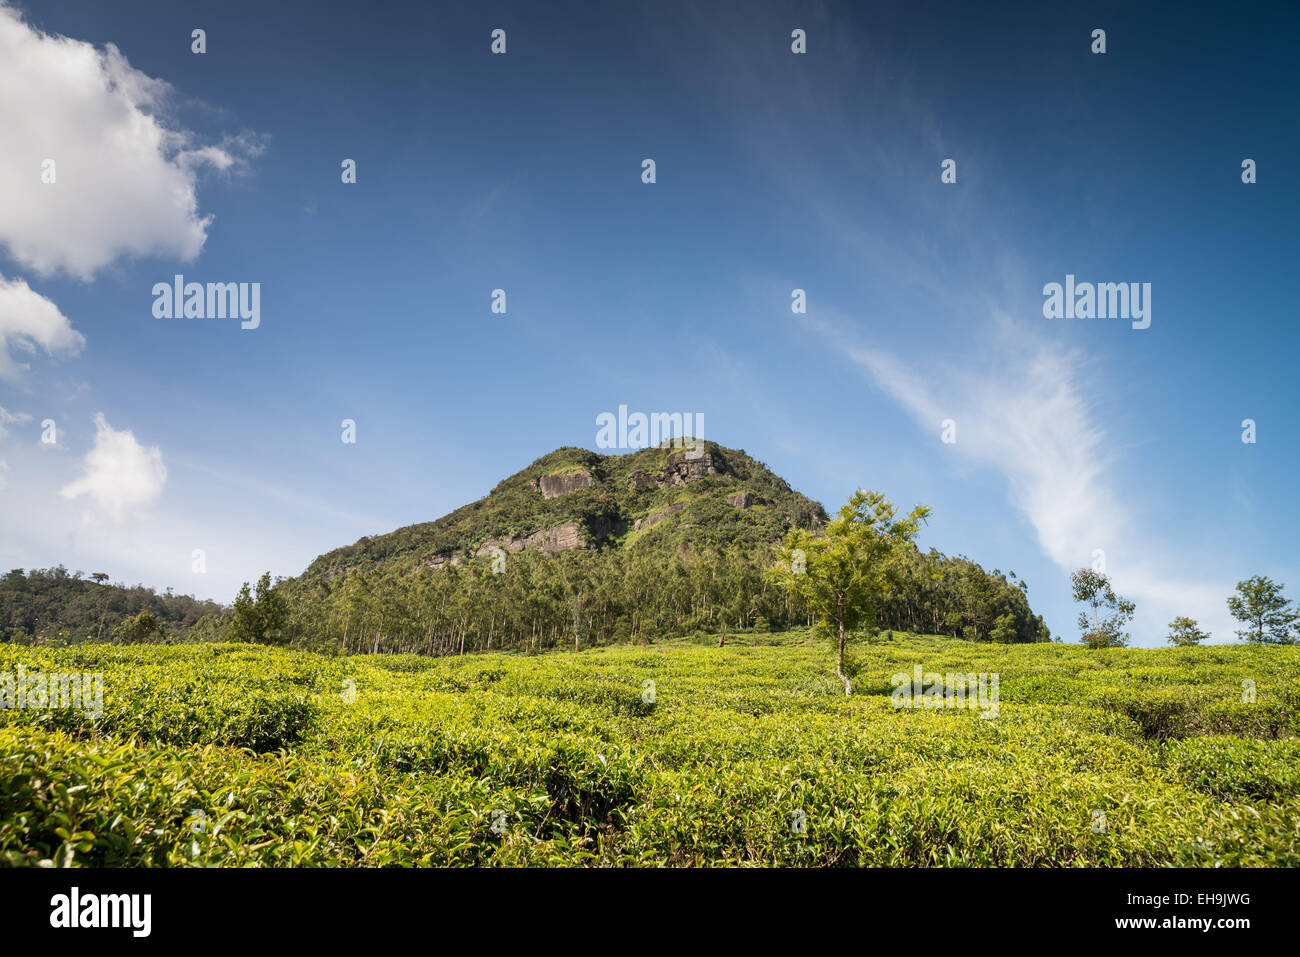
{"x":52,"y":605}
{"x":517,"y":507}
{"x":1093,"y":588}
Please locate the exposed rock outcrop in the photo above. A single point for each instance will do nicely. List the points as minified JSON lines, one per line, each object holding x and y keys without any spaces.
{"x":560,"y":538}
{"x":688,"y":465}
{"x":563,"y":483}
{"x":741,"y":500}
{"x":509,"y":544}
{"x":557,"y":539}
{"x":685,"y":465}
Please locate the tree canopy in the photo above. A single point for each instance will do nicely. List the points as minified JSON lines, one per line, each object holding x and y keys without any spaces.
{"x":844,"y":574}
{"x":1269,"y":617}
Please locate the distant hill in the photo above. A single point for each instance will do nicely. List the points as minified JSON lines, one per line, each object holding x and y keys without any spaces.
{"x":575,"y":499}
{"x":581,"y":548}
{"x":52,"y":605}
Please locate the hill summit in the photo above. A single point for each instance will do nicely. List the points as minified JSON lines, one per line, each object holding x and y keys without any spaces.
{"x":667,"y":496}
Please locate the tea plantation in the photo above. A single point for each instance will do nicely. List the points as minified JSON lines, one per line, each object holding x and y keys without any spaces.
{"x":743,"y":755}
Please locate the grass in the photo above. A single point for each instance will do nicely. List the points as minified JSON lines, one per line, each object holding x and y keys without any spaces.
{"x":246,"y":755}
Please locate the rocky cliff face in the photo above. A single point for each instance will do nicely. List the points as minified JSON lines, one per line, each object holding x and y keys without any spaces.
{"x":681,"y":467}
{"x":686,"y":465}
{"x":689,"y":465}
{"x":559,"y":538}
{"x":563,"y":483}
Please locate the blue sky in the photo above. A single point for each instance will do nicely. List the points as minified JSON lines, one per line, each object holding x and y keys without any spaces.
{"x":775,"y":171}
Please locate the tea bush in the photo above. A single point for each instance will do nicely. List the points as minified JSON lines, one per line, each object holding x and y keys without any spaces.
{"x":744,"y":755}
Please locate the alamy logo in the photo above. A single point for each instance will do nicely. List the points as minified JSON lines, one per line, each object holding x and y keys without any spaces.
{"x":103,"y":910}
{"x":952,"y":690}
{"x":38,"y":690}
{"x":1104,"y":300}
{"x":179,"y":299}
{"x":641,"y":431}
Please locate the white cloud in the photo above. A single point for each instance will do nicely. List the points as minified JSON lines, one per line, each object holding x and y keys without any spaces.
{"x":8,"y":418}
{"x":1024,"y":413}
{"x":1029,"y":420}
{"x":125,"y":175}
{"x":204,"y":506}
{"x":29,"y":320}
{"x":118,"y":473}
{"x":11,"y":418}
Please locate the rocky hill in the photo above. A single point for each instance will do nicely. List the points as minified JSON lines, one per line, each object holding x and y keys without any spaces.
{"x":581,"y":548}
{"x":576,"y":499}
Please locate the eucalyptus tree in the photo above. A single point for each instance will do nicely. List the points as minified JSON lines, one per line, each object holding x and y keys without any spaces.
{"x":1268,"y":616}
{"x":1093,"y":587}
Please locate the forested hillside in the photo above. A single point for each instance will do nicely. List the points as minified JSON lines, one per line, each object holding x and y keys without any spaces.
{"x":583,"y":549}
{"x":53,"y":605}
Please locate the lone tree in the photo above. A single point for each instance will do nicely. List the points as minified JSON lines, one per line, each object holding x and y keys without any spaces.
{"x":844,"y":572}
{"x":1184,"y":631}
{"x":1094,"y":588}
{"x":1259,"y":603}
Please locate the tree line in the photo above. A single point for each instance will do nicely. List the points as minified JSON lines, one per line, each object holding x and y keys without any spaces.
{"x":1257,"y":602}
{"x":532,"y":602}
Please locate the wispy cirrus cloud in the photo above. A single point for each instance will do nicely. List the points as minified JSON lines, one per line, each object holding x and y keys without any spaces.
{"x":11,"y":418}
{"x":1025,"y":413}
{"x":1027,"y":417}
